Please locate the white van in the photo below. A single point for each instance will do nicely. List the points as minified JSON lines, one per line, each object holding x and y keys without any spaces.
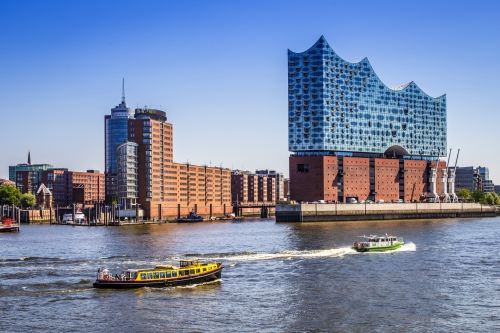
{"x":352,"y":200}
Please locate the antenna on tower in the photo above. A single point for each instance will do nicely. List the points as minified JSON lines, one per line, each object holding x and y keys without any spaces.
{"x":123,"y":90}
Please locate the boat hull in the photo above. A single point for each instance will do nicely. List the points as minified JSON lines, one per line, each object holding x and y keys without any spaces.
{"x":182,"y":281}
{"x":378,"y":249}
{"x":186,"y":220}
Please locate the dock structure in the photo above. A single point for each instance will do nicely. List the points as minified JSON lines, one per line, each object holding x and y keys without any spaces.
{"x":318,"y":212}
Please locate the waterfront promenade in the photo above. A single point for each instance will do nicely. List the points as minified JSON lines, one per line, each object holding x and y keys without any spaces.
{"x":386,"y":211}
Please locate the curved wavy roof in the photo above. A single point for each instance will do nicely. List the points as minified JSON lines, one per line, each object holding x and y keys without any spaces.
{"x":366,"y":62}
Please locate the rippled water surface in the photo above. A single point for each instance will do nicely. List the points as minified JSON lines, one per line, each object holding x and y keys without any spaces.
{"x":277,"y":278}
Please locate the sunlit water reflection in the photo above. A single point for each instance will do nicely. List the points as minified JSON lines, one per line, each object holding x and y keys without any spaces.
{"x":277,"y":277}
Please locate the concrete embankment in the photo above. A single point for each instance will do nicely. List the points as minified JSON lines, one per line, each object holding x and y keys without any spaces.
{"x":386,"y":211}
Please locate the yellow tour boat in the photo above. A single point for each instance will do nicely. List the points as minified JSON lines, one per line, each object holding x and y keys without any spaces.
{"x":188,"y":272}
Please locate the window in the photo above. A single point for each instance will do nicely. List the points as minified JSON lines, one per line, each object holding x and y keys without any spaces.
{"x":168,"y":274}
{"x":156,"y":275}
{"x":191,"y":271}
{"x":302,"y":168}
{"x":143,"y":276}
{"x":150,"y":276}
{"x":197,"y":270}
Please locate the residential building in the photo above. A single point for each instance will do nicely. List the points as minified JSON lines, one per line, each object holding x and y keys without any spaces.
{"x":127,"y":172}
{"x":488,"y":186}
{"x":4,"y":182}
{"x":27,"y":176}
{"x":279,"y":180}
{"x":75,"y":187}
{"x":469,"y":178}
{"x":164,"y":187}
{"x":497,"y":189}
{"x":353,"y":137}
{"x":252,"y":189}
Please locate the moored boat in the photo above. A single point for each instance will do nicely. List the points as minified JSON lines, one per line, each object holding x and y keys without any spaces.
{"x":7,"y":224}
{"x":375,"y":243}
{"x":188,"y":272}
{"x":191,"y":217}
{"x":78,"y":220}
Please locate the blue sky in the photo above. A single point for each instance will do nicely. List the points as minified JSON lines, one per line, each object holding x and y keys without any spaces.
{"x":219,"y":70}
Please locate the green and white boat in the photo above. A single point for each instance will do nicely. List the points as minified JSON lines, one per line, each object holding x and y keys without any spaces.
{"x":375,"y":243}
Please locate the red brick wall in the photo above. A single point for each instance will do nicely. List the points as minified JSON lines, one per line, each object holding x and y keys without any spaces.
{"x":356,"y":178}
{"x":306,"y":186}
{"x":387,"y":179}
{"x":415,"y":180}
{"x":330,"y":171}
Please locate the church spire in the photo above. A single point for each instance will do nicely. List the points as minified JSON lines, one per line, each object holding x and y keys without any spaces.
{"x":29,"y":157}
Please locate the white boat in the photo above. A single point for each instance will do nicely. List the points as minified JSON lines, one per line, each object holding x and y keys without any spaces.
{"x":375,"y":243}
{"x":79,"y":219}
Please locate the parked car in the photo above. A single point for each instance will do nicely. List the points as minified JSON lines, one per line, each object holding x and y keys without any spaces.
{"x":361,"y":201}
{"x":352,"y":200}
{"x":369,"y":201}
{"x":380,"y":201}
{"x":321,"y":201}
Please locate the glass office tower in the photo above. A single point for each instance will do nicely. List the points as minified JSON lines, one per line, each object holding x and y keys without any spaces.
{"x":335,"y":106}
{"x":116,"y":133}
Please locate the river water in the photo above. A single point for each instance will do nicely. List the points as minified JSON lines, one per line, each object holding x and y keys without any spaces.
{"x":278,"y":277}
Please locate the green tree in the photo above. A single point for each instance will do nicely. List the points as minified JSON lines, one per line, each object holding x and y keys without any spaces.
{"x":28,"y":200}
{"x":497,"y":198}
{"x":464,"y":193}
{"x":478,"y":196}
{"x":10,"y":195}
{"x":492,"y":198}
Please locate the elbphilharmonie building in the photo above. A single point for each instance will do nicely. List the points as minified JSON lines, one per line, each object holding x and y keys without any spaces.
{"x":339,"y":106}
{"x":353,"y":138}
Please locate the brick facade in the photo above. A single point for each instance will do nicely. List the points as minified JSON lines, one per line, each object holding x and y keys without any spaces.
{"x":332,"y":178}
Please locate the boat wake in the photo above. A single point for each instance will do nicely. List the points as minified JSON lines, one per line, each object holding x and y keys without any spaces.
{"x":288,"y":254}
{"x":291,"y":254}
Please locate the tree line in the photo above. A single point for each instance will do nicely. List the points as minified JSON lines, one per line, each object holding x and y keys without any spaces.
{"x":479,"y":196}
{"x":11,"y":195}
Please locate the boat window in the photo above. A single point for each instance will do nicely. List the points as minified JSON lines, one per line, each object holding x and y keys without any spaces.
{"x":143,"y":276}
{"x":162,"y":275}
{"x":191,"y":271}
{"x":168,"y":274}
{"x":174,"y":274}
{"x":157,"y":275}
{"x":186,"y":272}
{"x":150,"y":276}
{"x":204,"y":269}
{"x":197,"y":270}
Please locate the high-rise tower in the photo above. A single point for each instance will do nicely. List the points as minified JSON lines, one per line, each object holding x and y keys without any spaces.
{"x":115,"y":133}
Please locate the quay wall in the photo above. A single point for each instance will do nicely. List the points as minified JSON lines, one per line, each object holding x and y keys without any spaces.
{"x":386,"y":211}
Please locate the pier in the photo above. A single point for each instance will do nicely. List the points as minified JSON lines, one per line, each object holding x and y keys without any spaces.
{"x":386,"y":211}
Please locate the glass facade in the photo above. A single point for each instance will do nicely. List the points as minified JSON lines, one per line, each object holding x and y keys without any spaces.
{"x":127,"y":174}
{"x":338,"y":106}
{"x":116,"y":134}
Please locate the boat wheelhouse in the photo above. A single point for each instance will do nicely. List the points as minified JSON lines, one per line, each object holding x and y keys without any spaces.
{"x":188,"y":272}
{"x":375,"y":243}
